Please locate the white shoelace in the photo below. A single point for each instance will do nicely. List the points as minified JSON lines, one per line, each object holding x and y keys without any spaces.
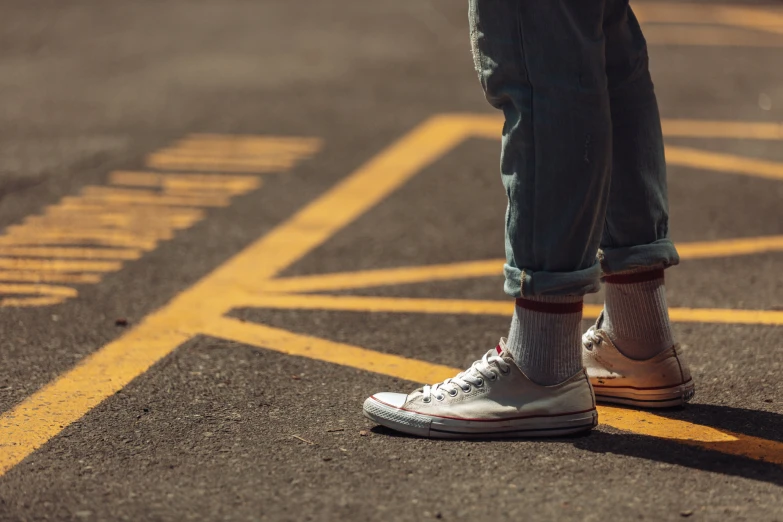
{"x":482,"y":369}
{"x":590,"y":338}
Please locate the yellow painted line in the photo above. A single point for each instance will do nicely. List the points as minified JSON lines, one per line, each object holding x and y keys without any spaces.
{"x":150,"y":197}
{"x":386,"y":277}
{"x":722,"y":129}
{"x":204,"y":152}
{"x":44,"y":414}
{"x":253,"y":144}
{"x":48,"y":277}
{"x":492,"y":268}
{"x":101,"y":237}
{"x":132,"y":215}
{"x":201,"y":308}
{"x":708,"y":36}
{"x":767,"y":19}
{"x":490,"y":127}
{"x":150,"y":224}
{"x":144,"y":221}
{"x":479,"y":307}
{"x":58,"y":265}
{"x":322,"y":350}
{"x":381,"y":304}
{"x":639,"y":422}
{"x":726,"y":316}
{"x":62,"y":291}
{"x":651,"y":425}
{"x":720,"y":162}
{"x":730,"y":247}
{"x":72,"y":252}
{"x":160,"y":160}
{"x":187,"y":183}
{"x":26,"y":302}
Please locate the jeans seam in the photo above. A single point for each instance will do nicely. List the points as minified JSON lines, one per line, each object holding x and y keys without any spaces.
{"x":532,"y":119}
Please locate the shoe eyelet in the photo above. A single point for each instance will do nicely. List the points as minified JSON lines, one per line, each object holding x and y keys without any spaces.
{"x":506,"y":372}
{"x":453,"y":393}
{"x":480,"y":383}
{"x":426,"y":400}
{"x":466,"y":390}
{"x":440,"y":398}
{"x":494,"y":376}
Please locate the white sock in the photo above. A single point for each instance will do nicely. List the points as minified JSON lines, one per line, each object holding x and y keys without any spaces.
{"x":636,"y":316}
{"x":545,"y":337}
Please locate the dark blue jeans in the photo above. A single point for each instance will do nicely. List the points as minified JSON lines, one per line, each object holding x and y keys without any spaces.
{"x":582,"y":157}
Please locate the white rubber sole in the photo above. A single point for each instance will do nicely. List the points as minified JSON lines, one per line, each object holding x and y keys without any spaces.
{"x":645,"y":398}
{"x":423,"y":425}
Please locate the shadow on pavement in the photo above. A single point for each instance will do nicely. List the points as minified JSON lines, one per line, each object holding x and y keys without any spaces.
{"x":672,"y":452}
{"x":760,"y":424}
{"x":763,"y":424}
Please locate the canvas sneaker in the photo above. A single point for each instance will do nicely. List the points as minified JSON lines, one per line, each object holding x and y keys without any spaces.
{"x":660,"y":382}
{"x":492,"y":398}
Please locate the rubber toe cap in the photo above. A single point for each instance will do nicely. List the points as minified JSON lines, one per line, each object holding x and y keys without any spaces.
{"x":396,"y":400}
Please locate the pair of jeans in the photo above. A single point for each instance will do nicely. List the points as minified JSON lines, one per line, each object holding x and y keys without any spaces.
{"x":582,"y":157}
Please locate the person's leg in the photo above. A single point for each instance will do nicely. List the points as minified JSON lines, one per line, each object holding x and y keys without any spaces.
{"x":635,"y":244}
{"x":542,"y":64}
{"x":629,"y":354}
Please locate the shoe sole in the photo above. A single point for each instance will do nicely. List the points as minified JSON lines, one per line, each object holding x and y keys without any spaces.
{"x":423,"y":425}
{"x":645,"y":398}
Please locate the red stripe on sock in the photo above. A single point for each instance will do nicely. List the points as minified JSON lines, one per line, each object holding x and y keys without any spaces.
{"x":550,"y":308}
{"x":636,"y":277}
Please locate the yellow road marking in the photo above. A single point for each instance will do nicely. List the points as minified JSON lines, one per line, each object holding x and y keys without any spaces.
{"x":131,"y":215}
{"x":44,"y":414}
{"x":730,"y":247}
{"x":209,"y":152}
{"x":770,"y":20}
{"x":201,"y":308}
{"x":186,"y":183}
{"x":137,"y":219}
{"x":489,"y":126}
{"x":72,"y":252}
{"x":639,"y":422}
{"x":651,"y":425}
{"x":492,"y":267}
{"x":23,"y":302}
{"x":722,"y":129}
{"x":478,"y":307}
{"x":386,"y":277}
{"x":328,"y":351}
{"x":149,"y":197}
{"x":61,"y":291}
{"x":48,"y":277}
{"x":720,"y":162}
{"x":59,"y":265}
{"x":108,"y":238}
{"x":708,"y":36}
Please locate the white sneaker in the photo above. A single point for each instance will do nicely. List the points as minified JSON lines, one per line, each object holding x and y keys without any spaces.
{"x":660,"y":382}
{"x":492,"y":398}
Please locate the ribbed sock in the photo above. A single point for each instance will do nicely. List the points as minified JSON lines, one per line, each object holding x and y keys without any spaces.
{"x":636,"y":316}
{"x":545,"y":337}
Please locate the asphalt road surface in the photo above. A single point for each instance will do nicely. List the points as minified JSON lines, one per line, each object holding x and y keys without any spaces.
{"x":223,"y":224}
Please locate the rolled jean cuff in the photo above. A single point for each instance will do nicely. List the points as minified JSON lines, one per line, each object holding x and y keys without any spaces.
{"x":652,"y":256}
{"x":521,"y":282}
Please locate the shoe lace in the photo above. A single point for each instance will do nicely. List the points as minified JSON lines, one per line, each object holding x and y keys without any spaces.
{"x":591,"y":338}
{"x":480,"y":370}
